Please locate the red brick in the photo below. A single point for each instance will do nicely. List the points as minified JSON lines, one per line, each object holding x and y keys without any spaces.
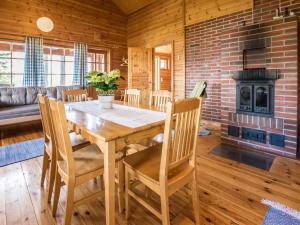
{"x":217,"y":54}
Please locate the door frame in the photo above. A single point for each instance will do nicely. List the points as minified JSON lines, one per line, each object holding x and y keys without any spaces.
{"x":171,"y":64}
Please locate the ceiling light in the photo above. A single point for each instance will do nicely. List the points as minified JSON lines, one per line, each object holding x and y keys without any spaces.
{"x":45,"y":24}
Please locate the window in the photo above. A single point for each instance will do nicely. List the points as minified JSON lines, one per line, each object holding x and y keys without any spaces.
{"x":11,"y":64}
{"x":97,"y":61}
{"x":58,"y":65}
{"x":164,"y":64}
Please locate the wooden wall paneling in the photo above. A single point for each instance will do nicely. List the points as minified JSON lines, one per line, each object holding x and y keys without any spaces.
{"x":74,"y":20}
{"x":117,"y":55}
{"x":202,"y":10}
{"x":130,"y":6}
{"x":159,"y":23}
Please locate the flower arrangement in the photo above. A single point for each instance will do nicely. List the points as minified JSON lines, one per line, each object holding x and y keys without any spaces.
{"x":105,"y":83}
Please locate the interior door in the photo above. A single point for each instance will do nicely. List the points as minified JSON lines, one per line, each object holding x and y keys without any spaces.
{"x":162,"y":77}
{"x":140,"y":66}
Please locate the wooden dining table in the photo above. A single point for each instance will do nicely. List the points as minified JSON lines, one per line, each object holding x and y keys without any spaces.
{"x":111,"y":137}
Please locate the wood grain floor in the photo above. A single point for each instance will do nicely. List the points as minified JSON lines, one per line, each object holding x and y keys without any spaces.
{"x":230,"y":193}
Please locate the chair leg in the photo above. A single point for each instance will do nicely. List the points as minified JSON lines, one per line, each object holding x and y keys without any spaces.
{"x":121,"y":174}
{"x":164,"y":198}
{"x":70,"y":202}
{"x":44,"y":167}
{"x":56,"y":192}
{"x":127,"y":183}
{"x":195,"y":199}
{"x":51,"y":180}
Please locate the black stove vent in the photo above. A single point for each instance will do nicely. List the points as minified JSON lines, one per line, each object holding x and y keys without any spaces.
{"x":256,"y":74}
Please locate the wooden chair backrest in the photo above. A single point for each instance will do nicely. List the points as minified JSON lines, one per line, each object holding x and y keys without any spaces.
{"x":132,"y":96}
{"x":160,"y":98}
{"x":75,"y":95}
{"x":61,"y":134}
{"x":180,"y":148}
{"x":45,"y":117}
{"x":199,"y":89}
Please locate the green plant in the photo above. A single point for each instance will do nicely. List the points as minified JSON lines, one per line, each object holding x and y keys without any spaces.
{"x":105,"y":83}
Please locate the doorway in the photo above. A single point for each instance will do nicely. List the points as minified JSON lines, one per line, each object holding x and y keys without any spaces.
{"x":163,"y":72}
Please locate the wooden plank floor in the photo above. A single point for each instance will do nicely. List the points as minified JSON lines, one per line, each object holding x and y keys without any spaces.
{"x":229,"y":192}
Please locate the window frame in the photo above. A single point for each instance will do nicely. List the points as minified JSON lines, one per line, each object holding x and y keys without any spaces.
{"x":166,"y":63}
{"x":51,"y":60}
{"x":11,"y":58}
{"x":97,"y":51}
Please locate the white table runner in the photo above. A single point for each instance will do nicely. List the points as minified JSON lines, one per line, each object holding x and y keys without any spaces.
{"x":121,"y":114}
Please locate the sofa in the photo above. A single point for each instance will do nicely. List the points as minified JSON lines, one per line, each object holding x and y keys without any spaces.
{"x":20,"y":104}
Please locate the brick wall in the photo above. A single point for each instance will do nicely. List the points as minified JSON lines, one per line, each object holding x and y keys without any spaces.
{"x":281,"y":54}
{"x":203,"y":49}
{"x":212,"y":53}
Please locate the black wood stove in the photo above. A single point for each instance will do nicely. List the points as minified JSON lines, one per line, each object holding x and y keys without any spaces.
{"x":255,"y":86}
{"x":255,"y":91}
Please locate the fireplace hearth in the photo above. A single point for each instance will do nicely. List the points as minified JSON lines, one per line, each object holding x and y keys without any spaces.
{"x":259,"y":108}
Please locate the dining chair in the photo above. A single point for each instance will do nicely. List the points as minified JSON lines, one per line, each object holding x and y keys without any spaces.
{"x":160,"y":98}
{"x":75,"y":95}
{"x":49,"y":158}
{"x":119,"y":94}
{"x":132,"y":96}
{"x":73,"y":168}
{"x":167,"y":167}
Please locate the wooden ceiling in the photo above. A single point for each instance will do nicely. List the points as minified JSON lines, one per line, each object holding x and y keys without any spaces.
{"x":130,"y":6}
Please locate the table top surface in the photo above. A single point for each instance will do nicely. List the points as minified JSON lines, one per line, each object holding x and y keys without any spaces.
{"x":107,"y":130}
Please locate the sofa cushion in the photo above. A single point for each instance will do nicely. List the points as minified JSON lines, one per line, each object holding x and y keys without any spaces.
{"x":29,"y":95}
{"x":60,"y":90}
{"x":12,"y":96}
{"x":51,"y":92}
{"x":19,"y":111}
{"x":33,"y":92}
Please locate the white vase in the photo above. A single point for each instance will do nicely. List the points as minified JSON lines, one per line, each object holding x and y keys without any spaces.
{"x":105,"y":101}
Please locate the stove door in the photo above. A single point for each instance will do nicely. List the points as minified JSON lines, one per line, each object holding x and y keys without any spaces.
{"x":262,"y":98}
{"x":244,"y":97}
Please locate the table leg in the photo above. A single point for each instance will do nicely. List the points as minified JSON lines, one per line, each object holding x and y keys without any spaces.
{"x":109,"y":182}
{"x":121,"y":185}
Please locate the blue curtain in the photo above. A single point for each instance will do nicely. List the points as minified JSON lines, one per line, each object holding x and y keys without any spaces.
{"x":80,"y":64}
{"x":34,"y":66}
